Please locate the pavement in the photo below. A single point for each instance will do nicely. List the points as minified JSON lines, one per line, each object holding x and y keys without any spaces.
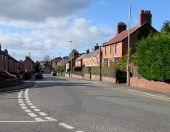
{"x":23,"y":85}
{"x":57,"y":104}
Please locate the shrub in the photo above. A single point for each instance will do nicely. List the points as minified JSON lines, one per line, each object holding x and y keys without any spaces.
{"x":95,"y":70}
{"x":86,"y":70}
{"x":78,"y":69}
{"x":153,"y":56}
{"x":108,"y":71}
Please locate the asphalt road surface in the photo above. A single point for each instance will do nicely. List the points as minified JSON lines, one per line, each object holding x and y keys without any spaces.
{"x":57,"y":104}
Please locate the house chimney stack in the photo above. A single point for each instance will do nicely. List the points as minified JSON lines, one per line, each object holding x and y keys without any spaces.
{"x":145,"y":17}
{"x":87,"y":51}
{"x":121,"y":26}
{"x":96,"y":47}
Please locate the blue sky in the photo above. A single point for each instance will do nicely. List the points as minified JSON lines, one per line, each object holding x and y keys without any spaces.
{"x":47,"y":30}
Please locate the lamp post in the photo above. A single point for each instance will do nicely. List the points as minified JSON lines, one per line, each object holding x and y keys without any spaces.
{"x":71,"y":57}
{"x":128,"y":52}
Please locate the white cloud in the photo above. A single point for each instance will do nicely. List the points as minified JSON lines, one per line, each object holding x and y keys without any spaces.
{"x":46,"y":27}
{"x":51,"y":35}
{"x":37,"y":10}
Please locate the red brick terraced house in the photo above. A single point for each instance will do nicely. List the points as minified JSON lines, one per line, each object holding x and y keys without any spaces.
{"x":7,"y":63}
{"x":117,"y":46}
{"x":90,"y":59}
{"x":28,"y":64}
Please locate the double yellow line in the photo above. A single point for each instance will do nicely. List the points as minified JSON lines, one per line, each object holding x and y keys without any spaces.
{"x":144,"y":94}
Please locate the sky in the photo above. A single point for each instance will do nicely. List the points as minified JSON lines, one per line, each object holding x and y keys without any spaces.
{"x":46,"y":27}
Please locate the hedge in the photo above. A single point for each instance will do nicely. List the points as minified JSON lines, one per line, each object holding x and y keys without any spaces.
{"x":108,"y":71}
{"x":153,"y":56}
{"x":86,"y":70}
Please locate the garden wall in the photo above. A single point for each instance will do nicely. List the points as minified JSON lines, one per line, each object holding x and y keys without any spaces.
{"x":150,"y":85}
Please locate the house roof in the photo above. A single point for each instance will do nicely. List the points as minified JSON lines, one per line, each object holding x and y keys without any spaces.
{"x":124,"y":34}
{"x":81,"y":57}
{"x":92,"y":54}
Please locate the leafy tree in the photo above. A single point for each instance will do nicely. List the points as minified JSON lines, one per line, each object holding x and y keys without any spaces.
{"x":153,"y":54}
{"x":166,"y":27}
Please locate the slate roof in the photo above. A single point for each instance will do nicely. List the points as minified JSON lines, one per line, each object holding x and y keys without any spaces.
{"x":124,"y":34}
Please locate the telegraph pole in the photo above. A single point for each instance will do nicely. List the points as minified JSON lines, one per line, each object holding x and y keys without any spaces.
{"x":71,"y":57}
{"x":128,"y":52}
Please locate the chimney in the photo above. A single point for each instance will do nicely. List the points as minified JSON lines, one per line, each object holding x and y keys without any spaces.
{"x":96,"y":47}
{"x":145,"y":17}
{"x":87,"y":51}
{"x":121,"y":26}
{"x":6,"y":51}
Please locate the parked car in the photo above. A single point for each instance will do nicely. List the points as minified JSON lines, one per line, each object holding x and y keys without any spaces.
{"x":7,"y":75}
{"x":38,"y":76}
{"x":53,"y":73}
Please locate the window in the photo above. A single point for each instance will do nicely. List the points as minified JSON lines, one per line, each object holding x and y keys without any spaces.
{"x":105,"y":61}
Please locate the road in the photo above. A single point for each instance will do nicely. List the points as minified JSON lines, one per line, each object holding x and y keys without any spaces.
{"x":57,"y":104}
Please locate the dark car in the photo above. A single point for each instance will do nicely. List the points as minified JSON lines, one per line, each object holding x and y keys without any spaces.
{"x":7,"y":75}
{"x":53,"y":73}
{"x":38,"y":76}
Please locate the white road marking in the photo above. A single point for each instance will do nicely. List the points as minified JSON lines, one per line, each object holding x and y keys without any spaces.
{"x":42,"y":113}
{"x":36,"y":109}
{"x":29,"y":103}
{"x":50,"y":119}
{"x":20,"y":99}
{"x":79,"y":131}
{"x":32,"y":114}
{"x":33,"y":107}
{"x":23,"y":107}
{"x":28,"y":111}
{"x":20,"y":94}
{"x":27,"y":99}
{"x":39,"y":119}
{"x":66,"y":126}
{"x":22,"y":104}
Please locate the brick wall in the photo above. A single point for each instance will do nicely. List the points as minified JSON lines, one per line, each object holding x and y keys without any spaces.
{"x":150,"y":85}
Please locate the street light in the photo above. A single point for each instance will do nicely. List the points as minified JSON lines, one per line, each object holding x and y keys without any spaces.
{"x":128,"y":52}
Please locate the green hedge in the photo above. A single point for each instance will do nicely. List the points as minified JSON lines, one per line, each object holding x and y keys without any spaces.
{"x":86,"y":70}
{"x":95,"y":70}
{"x":108,"y":71}
{"x":79,"y":69}
{"x":153,"y":56}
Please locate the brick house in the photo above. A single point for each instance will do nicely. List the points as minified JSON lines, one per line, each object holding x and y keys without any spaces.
{"x":72,"y":60}
{"x":55,"y":61}
{"x":92,"y":58}
{"x":89,"y":59}
{"x":7,"y":63}
{"x":29,"y":65}
{"x":63,"y":62}
{"x":79,"y":60}
{"x":117,"y":46}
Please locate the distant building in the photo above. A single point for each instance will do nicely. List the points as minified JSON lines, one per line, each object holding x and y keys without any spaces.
{"x":7,"y":63}
{"x":117,"y":46}
{"x":55,"y":61}
{"x":29,"y":65}
{"x":63,"y":62}
{"x":89,"y":59}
